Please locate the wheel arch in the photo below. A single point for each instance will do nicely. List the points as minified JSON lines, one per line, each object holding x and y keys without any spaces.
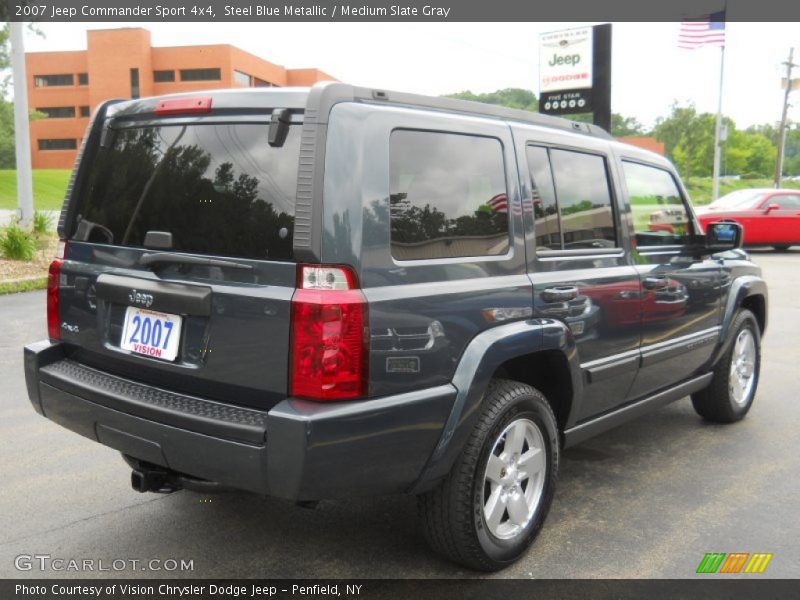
{"x":525,"y":351}
{"x":747,"y":291}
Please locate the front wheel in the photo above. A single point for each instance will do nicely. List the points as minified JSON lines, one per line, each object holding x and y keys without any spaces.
{"x":489,"y":509}
{"x":732,"y":389}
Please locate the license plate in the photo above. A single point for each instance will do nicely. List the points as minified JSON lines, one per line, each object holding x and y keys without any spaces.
{"x":151,"y":333}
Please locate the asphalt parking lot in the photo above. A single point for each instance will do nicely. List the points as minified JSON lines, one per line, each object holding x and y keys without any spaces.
{"x":648,"y":499}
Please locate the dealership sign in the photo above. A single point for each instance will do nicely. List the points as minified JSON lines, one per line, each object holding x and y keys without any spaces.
{"x":575,"y":72}
{"x":565,"y":71}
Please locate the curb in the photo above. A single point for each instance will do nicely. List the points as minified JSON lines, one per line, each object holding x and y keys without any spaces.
{"x":23,"y":284}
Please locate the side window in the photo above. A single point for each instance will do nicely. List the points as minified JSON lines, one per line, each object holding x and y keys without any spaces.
{"x":447,"y":195}
{"x":572,"y":207}
{"x":786,"y":201}
{"x":659,"y":215}
{"x":545,"y":209}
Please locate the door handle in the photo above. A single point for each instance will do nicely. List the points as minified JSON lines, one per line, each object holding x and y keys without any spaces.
{"x":561,"y":293}
{"x":655,"y":283}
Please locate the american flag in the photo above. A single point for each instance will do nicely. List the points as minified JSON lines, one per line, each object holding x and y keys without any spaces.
{"x":706,"y":30}
{"x":498,"y":203}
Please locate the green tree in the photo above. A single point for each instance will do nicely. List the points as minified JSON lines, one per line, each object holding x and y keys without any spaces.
{"x":761,"y":155}
{"x":688,"y":139}
{"x":510,"y":97}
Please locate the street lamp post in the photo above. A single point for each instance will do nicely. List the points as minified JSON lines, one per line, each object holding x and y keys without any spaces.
{"x":22,"y":140}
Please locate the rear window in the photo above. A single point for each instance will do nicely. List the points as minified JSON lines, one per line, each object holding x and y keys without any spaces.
{"x":219,"y":189}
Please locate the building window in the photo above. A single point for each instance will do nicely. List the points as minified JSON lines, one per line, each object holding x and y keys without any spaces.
{"x":163,"y":76}
{"x":53,"y":80}
{"x":85,"y":111}
{"x":201,"y":75}
{"x":447,"y":195}
{"x":83,"y":79}
{"x":58,"y":112}
{"x":242,"y":79}
{"x":261,"y":83}
{"x":58,"y":144}
{"x":135,"y":83}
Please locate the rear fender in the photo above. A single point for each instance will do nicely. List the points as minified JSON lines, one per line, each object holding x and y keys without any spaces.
{"x":480,"y":361}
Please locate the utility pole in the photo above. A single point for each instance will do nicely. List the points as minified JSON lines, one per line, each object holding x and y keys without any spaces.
{"x":782,"y":130}
{"x":22,"y":140}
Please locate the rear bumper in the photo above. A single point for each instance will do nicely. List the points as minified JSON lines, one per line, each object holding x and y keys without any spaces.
{"x":298,"y":450}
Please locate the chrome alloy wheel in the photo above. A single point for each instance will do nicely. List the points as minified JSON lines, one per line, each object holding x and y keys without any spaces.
{"x":514,"y":479}
{"x":742,"y":375}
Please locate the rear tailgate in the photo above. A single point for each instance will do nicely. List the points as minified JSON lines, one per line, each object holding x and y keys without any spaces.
{"x":179,"y":269}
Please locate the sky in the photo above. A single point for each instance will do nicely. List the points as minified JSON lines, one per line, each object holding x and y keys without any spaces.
{"x":649,"y":71}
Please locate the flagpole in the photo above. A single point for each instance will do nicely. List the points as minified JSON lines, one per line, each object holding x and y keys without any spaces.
{"x":718,"y":128}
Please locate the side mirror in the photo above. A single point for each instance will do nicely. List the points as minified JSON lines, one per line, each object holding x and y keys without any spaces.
{"x":723,"y":235}
{"x":772,"y":207}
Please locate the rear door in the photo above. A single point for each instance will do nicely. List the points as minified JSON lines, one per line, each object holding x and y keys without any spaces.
{"x":578,"y":264}
{"x":179,"y":269}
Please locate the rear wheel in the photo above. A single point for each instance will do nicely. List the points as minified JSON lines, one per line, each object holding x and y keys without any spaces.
{"x":733,"y":387}
{"x":782,"y":247}
{"x":490,"y":508}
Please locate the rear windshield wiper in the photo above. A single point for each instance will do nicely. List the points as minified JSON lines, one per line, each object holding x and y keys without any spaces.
{"x":170,"y":258}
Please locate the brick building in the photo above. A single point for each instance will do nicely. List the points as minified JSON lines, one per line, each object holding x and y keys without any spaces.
{"x":121,"y":63}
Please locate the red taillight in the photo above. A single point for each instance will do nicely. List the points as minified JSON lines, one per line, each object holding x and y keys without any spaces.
{"x":53,"y":321}
{"x":329,"y":335}
{"x":183,"y":106}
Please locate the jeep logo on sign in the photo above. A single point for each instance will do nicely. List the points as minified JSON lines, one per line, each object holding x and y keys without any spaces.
{"x":569,"y":59}
{"x":140,"y":298}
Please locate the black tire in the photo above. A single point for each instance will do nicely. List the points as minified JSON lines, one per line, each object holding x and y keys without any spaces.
{"x":717,"y":402}
{"x":452,"y":514}
{"x":781,"y":248}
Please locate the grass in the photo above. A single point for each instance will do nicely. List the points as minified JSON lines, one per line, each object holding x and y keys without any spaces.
{"x":49,"y":186}
{"x":17,"y":244}
{"x":24,"y":285}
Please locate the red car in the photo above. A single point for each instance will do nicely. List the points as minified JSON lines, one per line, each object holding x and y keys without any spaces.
{"x":770,"y":217}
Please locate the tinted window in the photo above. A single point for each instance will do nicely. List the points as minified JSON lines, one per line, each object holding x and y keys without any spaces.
{"x":83,"y":79}
{"x":53,"y":80}
{"x":787,"y":201}
{"x":200,"y":74}
{"x":57,"y":112}
{"x":659,"y":215}
{"x":584,"y":200}
{"x":545,"y":210}
{"x":58,"y":144}
{"x":220,"y":189}
{"x":448,"y":196}
{"x":84,"y":111}
{"x":162,"y":76}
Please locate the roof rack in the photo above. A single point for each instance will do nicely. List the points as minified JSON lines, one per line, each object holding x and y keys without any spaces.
{"x":325,"y":94}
